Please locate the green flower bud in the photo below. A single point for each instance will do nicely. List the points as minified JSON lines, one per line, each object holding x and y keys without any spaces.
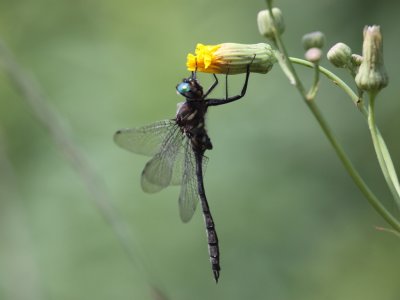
{"x":266,"y":25}
{"x":356,"y":59}
{"x":231,"y":58}
{"x":313,"y":55}
{"x":340,"y":55}
{"x":372,"y":76}
{"x":314,"y":39}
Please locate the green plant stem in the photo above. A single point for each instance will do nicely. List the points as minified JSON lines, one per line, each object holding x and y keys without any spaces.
{"x":390,"y":177}
{"x":372,"y":199}
{"x":333,"y":77}
{"x":382,"y":152}
{"x":314,"y":88}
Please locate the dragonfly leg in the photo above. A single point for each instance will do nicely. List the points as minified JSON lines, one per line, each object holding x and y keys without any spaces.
{"x":210,"y":89}
{"x":215,"y":102}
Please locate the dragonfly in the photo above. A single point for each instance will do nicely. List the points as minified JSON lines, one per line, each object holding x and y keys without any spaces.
{"x":177,"y":148}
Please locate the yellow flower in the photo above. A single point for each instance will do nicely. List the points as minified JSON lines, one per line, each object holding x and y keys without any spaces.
{"x":231,"y":58}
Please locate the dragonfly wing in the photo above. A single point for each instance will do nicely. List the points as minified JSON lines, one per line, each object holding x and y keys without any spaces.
{"x":158,"y":172}
{"x":179,"y":166}
{"x":145,"y":140}
{"x":189,"y":196}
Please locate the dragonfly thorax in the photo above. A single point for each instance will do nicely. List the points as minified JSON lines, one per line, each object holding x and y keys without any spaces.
{"x":190,"y":118}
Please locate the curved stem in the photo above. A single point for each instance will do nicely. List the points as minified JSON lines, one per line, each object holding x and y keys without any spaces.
{"x":372,"y":199}
{"x":314,"y":88}
{"x":285,"y":56}
{"x":389,"y":174}
{"x":339,"y":82}
{"x":49,"y":118}
{"x":381,"y":149}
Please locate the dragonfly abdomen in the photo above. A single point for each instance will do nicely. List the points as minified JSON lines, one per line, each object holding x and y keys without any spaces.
{"x":213,"y":247}
{"x":212,"y":238}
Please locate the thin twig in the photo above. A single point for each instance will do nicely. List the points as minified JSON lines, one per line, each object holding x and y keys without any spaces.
{"x":21,"y":258}
{"x":51,"y":121}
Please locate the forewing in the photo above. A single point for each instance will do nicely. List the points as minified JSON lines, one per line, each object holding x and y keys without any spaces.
{"x":145,"y":140}
{"x":157,"y":174}
{"x":189,"y":196}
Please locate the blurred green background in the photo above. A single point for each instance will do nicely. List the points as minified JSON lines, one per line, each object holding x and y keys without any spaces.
{"x":292,"y":224}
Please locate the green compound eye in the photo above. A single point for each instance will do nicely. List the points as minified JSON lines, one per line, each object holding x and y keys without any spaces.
{"x":183,"y":87}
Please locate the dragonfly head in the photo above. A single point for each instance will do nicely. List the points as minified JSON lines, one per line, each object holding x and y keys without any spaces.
{"x":190,"y":88}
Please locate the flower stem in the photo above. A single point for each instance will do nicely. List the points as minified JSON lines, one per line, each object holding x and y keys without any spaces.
{"x":314,"y":88}
{"x":381,"y":152}
{"x":372,"y":199}
{"x":339,"y":82}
